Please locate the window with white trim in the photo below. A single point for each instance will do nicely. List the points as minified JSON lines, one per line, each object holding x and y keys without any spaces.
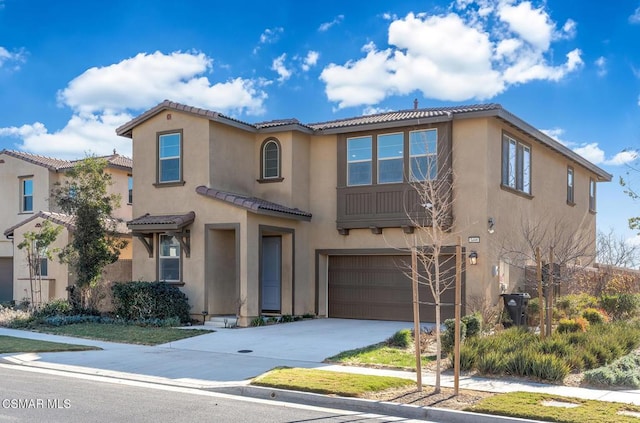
{"x":359,"y":158}
{"x":423,"y":154}
{"x":390,"y":158}
{"x":516,"y":165}
{"x":169,"y":259}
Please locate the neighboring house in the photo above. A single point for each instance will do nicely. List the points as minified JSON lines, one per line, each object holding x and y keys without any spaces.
{"x":289,"y":218}
{"x":26,"y":181}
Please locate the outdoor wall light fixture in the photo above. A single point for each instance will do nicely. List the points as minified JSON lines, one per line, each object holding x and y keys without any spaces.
{"x":473,"y":258}
{"x":490,"y":224}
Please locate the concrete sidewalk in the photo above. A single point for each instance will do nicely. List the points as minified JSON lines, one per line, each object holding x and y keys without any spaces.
{"x":214,"y":360}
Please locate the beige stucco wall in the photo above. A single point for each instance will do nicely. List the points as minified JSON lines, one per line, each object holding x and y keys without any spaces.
{"x":11,"y":171}
{"x":54,"y":285}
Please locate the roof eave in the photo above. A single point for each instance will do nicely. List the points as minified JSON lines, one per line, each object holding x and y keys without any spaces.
{"x":284,"y":128}
{"x":274,"y":213}
{"x":603,"y":176}
{"x":384,"y":125}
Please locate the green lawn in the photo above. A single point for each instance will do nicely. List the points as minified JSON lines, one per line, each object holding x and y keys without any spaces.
{"x":10,"y":344}
{"x":328,"y":382}
{"x":531,"y":406}
{"x":380,"y":355}
{"x":128,"y":334}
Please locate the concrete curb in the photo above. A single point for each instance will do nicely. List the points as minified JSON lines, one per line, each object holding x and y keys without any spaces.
{"x":407,"y":411}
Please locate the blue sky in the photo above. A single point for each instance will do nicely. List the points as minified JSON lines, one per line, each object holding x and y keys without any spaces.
{"x":72,"y":71}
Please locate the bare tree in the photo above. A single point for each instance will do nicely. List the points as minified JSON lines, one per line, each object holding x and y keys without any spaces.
{"x":432,"y":219}
{"x":614,"y":250}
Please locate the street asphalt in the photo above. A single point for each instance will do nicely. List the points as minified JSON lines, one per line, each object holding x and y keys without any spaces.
{"x":227,"y":359}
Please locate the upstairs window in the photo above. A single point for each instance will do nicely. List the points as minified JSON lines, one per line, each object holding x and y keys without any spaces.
{"x":592,"y":195}
{"x":130,"y":185}
{"x":516,"y":165}
{"x":270,"y":159}
{"x":169,"y":259}
{"x":43,"y":267}
{"x":169,"y":157}
{"x":26,"y":195}
{"x":570,"y":196}
{"x":390,"y":158}
{"x":423,"y":152}
{"x":359,"y":154}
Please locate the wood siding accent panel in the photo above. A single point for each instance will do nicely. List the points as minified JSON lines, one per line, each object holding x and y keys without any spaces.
{"x":385,"y":205}
{"x":378,"y":287}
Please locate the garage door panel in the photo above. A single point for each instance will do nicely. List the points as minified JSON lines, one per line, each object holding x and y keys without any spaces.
{"x":379,"y":287}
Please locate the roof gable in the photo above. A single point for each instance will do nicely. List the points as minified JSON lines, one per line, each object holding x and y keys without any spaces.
{"x":58,"y":165}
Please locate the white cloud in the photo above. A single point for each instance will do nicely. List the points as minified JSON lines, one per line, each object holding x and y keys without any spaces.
{"x":369,"y":110}
{"x":596,"y":155}
{"x":601,"y":66}
{"x":310,"y":60}
{"x":104,"y":98}
{"x":15,"y":58}
{"x":279,"y":66}
{"x":389,"y":16}
{"x":556,"y":134}
{"x":474,"y":52}
{"x":269,"y":36}
{"x":327,"y":25}
{"x":569,"y":29}
{"x":635,"y":17}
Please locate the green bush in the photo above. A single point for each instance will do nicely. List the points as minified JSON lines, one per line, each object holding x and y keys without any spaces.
{"x":473,"y":324}
{"x":401,"y":339}
{"x":621,"y":306}
{"x":571,"y":306}
{"x":623,"y":372}
{"x":549,"y":367}
{"x":257,"y":321}
{"x":448,"y":337}
{"x":594,"y":316}
{"x":150,"y":300}
{"x":519,"y":363}
{"x":572,"y":325}
{"x":491,"y":363}
{"x":57,"y":307}
{"x":468,"y":356}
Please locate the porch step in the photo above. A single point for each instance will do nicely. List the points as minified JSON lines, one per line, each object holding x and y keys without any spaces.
{"x":221,"y":322}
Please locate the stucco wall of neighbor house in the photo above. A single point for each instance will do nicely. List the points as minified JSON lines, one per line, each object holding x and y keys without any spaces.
{"x":55,"y":283}
{"x":120,"y":186}
{"x":230,"y":161}
{"x":11,"y":172}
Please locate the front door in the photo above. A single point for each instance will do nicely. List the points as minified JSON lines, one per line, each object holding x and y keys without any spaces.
{"x":271,"y":273}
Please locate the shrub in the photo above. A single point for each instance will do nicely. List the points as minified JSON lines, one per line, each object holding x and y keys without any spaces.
{"x":621,"y":306}
{"x":519,"y":363}
{"x":57,"y":307}
{"x":286,"y":318}
{"x":257,"y":321}
{"x":491,"y":363}
{"x":533,"y":312}
{"x":60,"y":320}
{"x":595,"y":316}
{"x":448,"y":335}
{"x":623,"y":372}
{"x":573,"y":325}
{"x":571,"y":306}
{"x":468,"y":356}
{"x":549,"y":367}
{"x":10,"y":315}
{"x":473,"y":324}
{"x":150,"y":300}
{"x":401,"y":339}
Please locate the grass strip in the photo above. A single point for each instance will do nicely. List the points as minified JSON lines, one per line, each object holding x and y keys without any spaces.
{"x":127,"y":334}
{"x":531,"y":406}
{"x":328,"y":382}
{"x":380,"y":355}
{"x":11,"y":344}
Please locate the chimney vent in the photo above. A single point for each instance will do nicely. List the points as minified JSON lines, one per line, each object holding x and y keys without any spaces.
{"x":415,"y":104}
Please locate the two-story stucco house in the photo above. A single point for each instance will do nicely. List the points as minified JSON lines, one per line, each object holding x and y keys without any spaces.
{"x":26,"y":181}
{"x":290,"y":218}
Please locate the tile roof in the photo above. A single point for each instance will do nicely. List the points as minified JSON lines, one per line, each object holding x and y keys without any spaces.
{"x":114,"y":160}
{"x":174,"y":220}
{"x":401,"y":115}
{"x":66,"y":220}
{"x":254,"y":204}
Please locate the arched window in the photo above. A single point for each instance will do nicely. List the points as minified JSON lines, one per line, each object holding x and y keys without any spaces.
{"x":270,"y":162}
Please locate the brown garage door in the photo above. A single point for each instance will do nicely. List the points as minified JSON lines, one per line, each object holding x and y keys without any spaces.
{"x":377,"y":288}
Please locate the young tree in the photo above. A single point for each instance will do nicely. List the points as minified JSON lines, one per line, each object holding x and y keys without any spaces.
{"x":613,"y":250}
{"x":37,"y":248}
{"x":432,"y":220}
{"x":95,"y":243}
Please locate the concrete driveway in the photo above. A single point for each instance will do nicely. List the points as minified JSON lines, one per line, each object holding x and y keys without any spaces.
{"x":214,"y":359}
{"x":308,"y":340}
